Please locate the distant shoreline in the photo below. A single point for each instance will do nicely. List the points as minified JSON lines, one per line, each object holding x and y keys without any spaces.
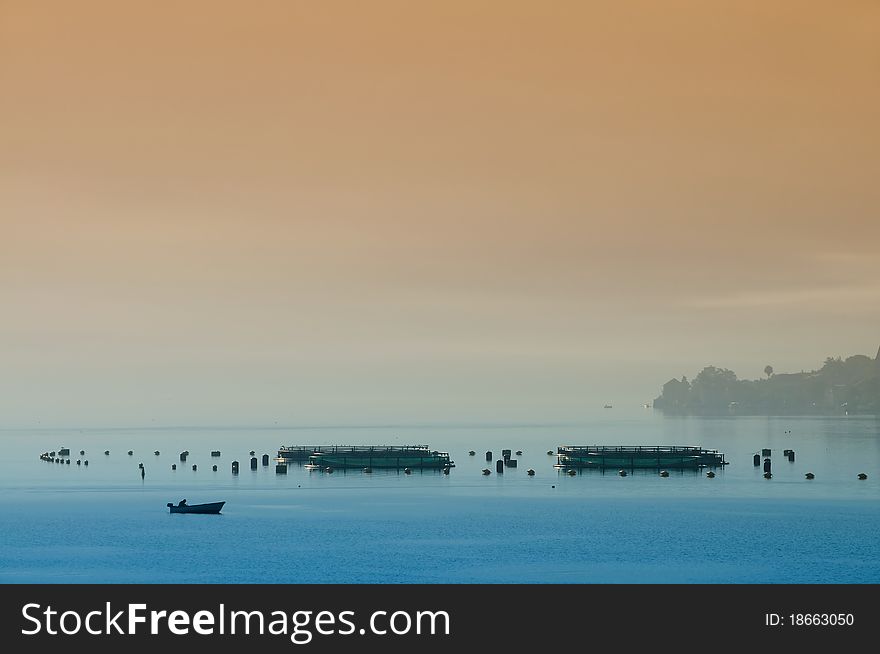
{"x":743,"y":414}
{"x":841,"y":387}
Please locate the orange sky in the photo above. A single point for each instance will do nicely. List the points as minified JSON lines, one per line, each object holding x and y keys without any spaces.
{"x":348,"y":211}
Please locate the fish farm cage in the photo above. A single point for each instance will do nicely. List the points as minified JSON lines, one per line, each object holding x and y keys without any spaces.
{"x":366,"y":456}
{"x":637,"y":456}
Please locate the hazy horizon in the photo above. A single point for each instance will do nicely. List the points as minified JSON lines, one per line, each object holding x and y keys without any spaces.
{"x":392,"y":212}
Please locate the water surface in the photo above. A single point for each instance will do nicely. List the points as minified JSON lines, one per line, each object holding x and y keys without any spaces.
{"x":104,"y":524}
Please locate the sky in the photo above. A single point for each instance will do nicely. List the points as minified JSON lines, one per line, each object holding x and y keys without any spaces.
{"x":217,"y":212}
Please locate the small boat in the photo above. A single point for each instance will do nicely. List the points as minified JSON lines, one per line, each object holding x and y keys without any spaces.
{"x":212,"y":507}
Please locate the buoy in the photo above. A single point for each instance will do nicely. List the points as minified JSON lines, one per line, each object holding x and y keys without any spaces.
{"x":809,"y":475}
{"x":862,"y":476}
{"x":140,"y":465}
{"x":130,"y":452}
{"x":86,"y":462}
{"x":235,"y":467}
{"x":710,"y":475}
{"x":253,"y":463}
{"x":499,"y":466}
{"x":195,"y":467}
{"x":78,"y":462}
{"x":107,"y":452}
{"x":156,"y":452}
{"x":767,"y":475}
{"x":265,"y":459}
{"x":622,"y":473}
{"x":183,"y":455}
{"x":664,"y":473}
{"x":757,"y":460}
{"x":471,"y":453}
{"x":486,"y":471}
{"x":368,"y":470}
{"x":214,"y":468}
{"x":174,"y":466}
{"x":553,"y":487}
{"x":251,"y":453}
{"x":530,"y":472}
{"x":81,"y":452}
{"x":489,"y":455}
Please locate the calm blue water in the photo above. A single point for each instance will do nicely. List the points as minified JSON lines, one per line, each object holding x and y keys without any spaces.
{"x":104,"y":524}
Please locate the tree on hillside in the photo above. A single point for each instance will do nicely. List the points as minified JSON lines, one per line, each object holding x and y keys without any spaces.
{"x":714,"y":388}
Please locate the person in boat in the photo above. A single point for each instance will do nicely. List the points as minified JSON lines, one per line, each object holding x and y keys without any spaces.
{"x":182,"y":503}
